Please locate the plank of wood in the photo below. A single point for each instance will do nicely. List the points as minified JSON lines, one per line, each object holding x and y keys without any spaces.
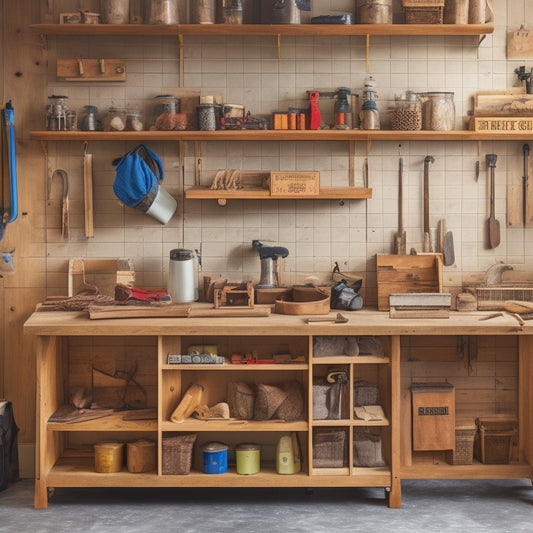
{"x":91,"y":69}
{"x":520,"y":44}
{"x":88,"y":194}
{"x":419,"y":313}
{"x":230,"y":312}
{"x":431,"y":299}
{"x":138,"y":311}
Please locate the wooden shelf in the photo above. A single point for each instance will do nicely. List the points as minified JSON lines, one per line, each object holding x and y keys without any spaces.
{"x":326,"y":193}
{"x":347,"y":360}
{"x":194,"y":425}
{"x":240,"y":368}
{"x":473,"y":471}
{"x":277,"y":135}
{"x":351,"y":423}
{"x":263,"y":29}
{"x":112,"y":422}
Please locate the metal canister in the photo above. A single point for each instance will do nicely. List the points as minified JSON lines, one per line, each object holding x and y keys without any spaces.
{"x":215,"y":458}
{"x":374,"y":11}
{"x":206,"y":117}
{"x":162,"y":12}
{"x":203,"y":11}
{"x":115,"y":11}
{"x":248,"y":458}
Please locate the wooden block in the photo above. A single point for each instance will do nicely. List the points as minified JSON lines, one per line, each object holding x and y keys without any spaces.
{"x":421,"y":300}
{"x":433,"y":416}
{"x":91,"y":69}
{"x":512,"y":103}
{"x":520,"y":44}
{"x":420,"y":273}
{"x":503,"y":125}
{"x":295,"y":183}
{"x":101,"y":273}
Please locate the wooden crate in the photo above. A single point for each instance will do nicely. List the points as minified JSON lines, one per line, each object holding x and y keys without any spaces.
{"x":294,"y":183}
{"x":101,"y":273}
{"x":407,"y":274}
{"x":433,"y":416}
{"x":495,"y":439}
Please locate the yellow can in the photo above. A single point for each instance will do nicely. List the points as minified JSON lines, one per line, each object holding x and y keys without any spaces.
{"x":248,"y":458}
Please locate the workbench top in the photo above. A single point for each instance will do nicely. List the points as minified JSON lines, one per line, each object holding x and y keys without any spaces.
{"x":363,"y":322}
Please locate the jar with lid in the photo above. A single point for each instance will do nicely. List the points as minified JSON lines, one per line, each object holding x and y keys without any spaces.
{"x":343,"y":109}
{"x":116,"y":119}
{"x":288,"y":12}
{"x":232,"y":12}
{"x":374,"y":11}
{"x":162,"y":12}
{"x":407,"y":113}
{"x":166,"y":111}
{"x":439,"y":111}
{"x":203,"y":11}
{"x":115,"y":11}
{"x":206,"y":117}
{"x":89,"y":121}
{"x":59,"y":117}
{"x":134,"y":119}
{"x":369,"y":114}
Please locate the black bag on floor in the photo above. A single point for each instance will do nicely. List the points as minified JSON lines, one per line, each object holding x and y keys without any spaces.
{"x":9,"y":459}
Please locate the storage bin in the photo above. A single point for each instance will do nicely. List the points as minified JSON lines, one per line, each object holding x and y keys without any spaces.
{"x":495,"y":439}
{"x":177,"y":453}
{"x":108,"y":457}
{"x":215,"y":458}
{"x":423,"y":11}
{"x":365,"y":393}
{"x":320,"y":399}
{"x":367,"y":448}
{"x":329,"y":448}
{"x":463,"y":454}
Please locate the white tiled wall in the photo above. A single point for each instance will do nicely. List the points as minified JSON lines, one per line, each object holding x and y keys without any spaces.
{"x":317,"y":233}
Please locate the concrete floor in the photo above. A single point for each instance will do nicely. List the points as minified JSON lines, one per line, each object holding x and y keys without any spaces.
{"x":428,"y":506}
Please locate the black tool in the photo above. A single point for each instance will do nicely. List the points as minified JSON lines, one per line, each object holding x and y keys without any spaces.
{"x":525,"y":150}
{"x":269,"y":256}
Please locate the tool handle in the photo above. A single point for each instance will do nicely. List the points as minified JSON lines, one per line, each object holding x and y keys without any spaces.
{"x":491,"y":160}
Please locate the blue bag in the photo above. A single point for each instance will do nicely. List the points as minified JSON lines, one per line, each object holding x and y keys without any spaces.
{"x":137,"y":177}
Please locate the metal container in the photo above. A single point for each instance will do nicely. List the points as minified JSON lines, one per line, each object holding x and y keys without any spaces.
{"x":115,"y":11}
{"x":89,"y":121}
{"x":181,"y":283}
{"x":374,"y":11}
{"x":286,"y":12}
{"x":203,"y":11}
{"x":215,"y":458}
{"x":248,"y":458}
{"x":162,"y":12}
{"x":232,"y":12}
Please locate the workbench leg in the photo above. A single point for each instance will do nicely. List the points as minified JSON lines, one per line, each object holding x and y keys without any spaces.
{"x":40,"y":495}
{"x":395,"y":495}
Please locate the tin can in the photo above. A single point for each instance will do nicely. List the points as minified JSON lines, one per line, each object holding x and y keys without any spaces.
{"x":203,"y":11}
{"x":162,"y":12}
{"x":248,"y":458}
{"x":215,"y":458}
{"x":115,"y":11}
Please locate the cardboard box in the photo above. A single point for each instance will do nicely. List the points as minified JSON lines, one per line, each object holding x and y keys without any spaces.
{"x":295,"y":183}
{"x":433,"y":416}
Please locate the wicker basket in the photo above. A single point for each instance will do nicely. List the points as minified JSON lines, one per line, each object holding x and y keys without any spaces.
{"x":424,"y":11}
{"x":463,"y":454}
{"x":177,"y":454}
{"x":367,"y":448}
{"x":495,"y":443}
{"x":320,"y":399}
{"x":329,"y":449}
{"x":365,"y":393}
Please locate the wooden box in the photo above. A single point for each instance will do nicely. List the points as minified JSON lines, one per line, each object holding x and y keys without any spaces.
{"x":495,"y":439}
{"x":104,"y":274}
{"x":407,"y":274}
{"x":294,"y":183}
{"x":503,"y":125}
{"x":433,"y":416}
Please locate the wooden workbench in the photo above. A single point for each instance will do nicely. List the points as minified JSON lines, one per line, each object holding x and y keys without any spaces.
{"x":490,"y":362}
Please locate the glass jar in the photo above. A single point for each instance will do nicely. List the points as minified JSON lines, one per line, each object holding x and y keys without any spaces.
{"x":166,"y":109}
{"x":162,"y":12}
{"x":203,"y":11}
{"x":115,"y":11}
{"x":342,"y":110}
{"x":232,"y":12}
{"x":287,"y":12}
{"x":116,"y":119}
{"x":439,"y":111}
{"x":59,"y":117}
{"x":407,"y":113}
{"x":89,"y":122}
{"x":374,"y":11}
{"x":134,"y":119}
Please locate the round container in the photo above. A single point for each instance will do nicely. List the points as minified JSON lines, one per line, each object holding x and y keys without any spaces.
{"x":115,"y":11}
{"x":89,"y":122}
{"x":203,"y":11}
{"x":108,"y":457}
{"x":286,"y":12}
{"x":374,"y":11}
{"x":343,"y":110}
{"x":439,"y":111}
{"x":141,"y":456}
{"x":232,"y":12}
{"x":456,"y":12}
{"x":248,"y":458}
{"x":162,"y":12}
{"x":181,"y":283}
{"x":163,"y":206}
{"x":134,"y":119}
{"x":215,"y":458}
{"x":116,"y":119}
{"x":407,"y":113}
{"x":206,"y":117}
{"x":57,"y":110}
{"x":166,"y":107}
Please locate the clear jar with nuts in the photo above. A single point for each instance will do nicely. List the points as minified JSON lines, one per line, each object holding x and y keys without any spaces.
{"x":407,"y":113}
{"x":439,"y":111}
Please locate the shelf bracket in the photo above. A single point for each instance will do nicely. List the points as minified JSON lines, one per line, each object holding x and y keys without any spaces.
{"x":197,"y":163}
{"x":279,"y":46}
{"x":181,"y":67}
{"x":367,"y":60}
{"x":351,"y":164}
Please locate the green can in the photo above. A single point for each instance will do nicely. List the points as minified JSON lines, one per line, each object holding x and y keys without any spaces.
{"x":248,"y":458}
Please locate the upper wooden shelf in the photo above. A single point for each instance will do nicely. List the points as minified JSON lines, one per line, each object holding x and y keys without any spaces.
{"x":263,"y":29}
{"x":279,"y":135}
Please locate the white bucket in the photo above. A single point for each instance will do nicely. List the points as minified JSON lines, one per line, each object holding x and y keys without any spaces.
{"x":163,"y":206}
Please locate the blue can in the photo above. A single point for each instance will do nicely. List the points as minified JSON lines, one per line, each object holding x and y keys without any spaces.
{"x":215,"y":458}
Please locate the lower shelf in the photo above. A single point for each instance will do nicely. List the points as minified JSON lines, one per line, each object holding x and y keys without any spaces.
{"x":474,"y":471}
{"x":79,"y":472}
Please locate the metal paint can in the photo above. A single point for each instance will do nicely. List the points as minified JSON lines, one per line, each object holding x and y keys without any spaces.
{"x":248,"y":458}
{"x":215,"y":458}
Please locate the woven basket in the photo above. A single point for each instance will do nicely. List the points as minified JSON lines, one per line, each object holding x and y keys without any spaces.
{"x":424,"y":11}
{"x":495,"y":443}
{"x":177,"y":454}
{"x":367,"y":449}
{"x":364,"y":393}
{"x":329,"y":450}
{"x":464,"y":446}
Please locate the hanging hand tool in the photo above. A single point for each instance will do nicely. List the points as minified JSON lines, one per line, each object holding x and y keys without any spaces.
{"x":493,"y":224}
{"x":400,"y":243}
{"x":527,"y":215}
{"x":65,"y":217}
{"x":427,"y":236}
{"x":88,"y":192}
